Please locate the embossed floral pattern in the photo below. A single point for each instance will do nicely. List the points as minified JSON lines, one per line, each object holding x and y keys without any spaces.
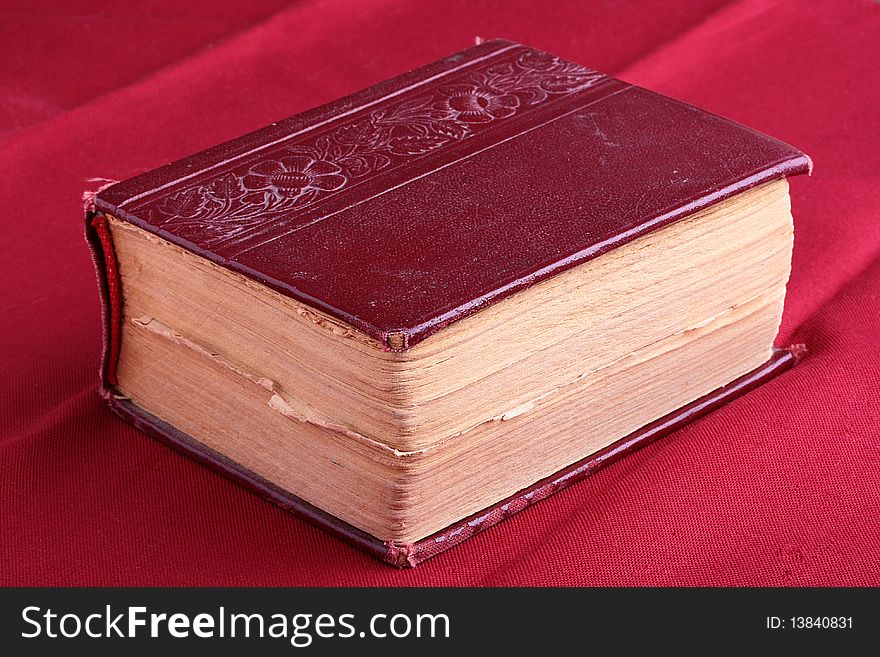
{"x":472,"y":104}
{"x":299,"y":173}
{"x":291,"y":177}
{"x":187,"y":203}
{"x":226,"y":186}
{"x":537,"y":61}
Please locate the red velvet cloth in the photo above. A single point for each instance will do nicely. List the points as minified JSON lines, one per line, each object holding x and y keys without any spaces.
{"x":780,"y":487}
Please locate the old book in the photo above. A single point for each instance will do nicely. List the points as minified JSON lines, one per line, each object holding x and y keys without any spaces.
{"x":412,"y":312}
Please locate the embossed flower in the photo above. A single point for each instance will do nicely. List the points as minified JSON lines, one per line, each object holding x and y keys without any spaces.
{"x":186,"y":203}
{"x":537,"y":61}
{"x":290,"y":177}
{"x":472,"y":104}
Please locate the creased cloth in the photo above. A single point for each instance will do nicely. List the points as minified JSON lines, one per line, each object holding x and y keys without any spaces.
{"x":781,"y":487}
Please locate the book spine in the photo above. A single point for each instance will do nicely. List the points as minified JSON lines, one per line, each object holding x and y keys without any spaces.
{"x":100,"y":242}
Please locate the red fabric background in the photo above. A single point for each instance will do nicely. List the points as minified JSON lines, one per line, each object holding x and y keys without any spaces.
{"x":779,"y":488}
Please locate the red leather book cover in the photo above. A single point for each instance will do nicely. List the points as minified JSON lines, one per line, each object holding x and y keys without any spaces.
{"x":415,"y":202}
{"x":418,"y":201}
